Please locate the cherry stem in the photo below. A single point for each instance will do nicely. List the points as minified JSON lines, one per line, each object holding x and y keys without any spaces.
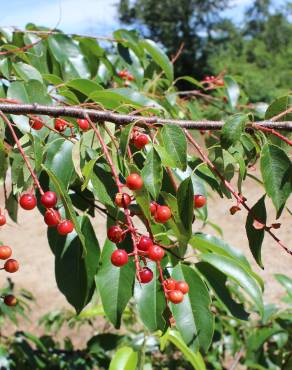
{"x":240,"y":199}
{"x":33,"y":175}
{"x":120,"y":190}
{"x":273,"y":132}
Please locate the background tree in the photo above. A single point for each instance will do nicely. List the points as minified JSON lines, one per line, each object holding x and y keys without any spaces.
{"x":212,"y":43}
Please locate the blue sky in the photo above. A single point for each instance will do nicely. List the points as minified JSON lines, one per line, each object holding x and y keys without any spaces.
{"x":97,"y":17}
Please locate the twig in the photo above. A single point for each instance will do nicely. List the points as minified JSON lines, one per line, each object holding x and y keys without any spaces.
{"x":240,"y":199}
{"x":124,"y":119}
{"x":273,"y":132}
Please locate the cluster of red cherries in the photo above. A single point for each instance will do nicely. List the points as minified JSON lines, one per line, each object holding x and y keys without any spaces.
{"x":60,"y":124}
{"x":212,"y":80}
{"x":126,"y":75}
{"x":146,"y":246}
{"x":11,"y":265}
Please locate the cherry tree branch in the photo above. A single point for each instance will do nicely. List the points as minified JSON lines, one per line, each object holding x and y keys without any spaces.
{"x":124,"y":119}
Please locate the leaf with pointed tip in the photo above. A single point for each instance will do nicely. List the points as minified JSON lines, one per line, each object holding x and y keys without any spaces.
{"x":124,"y":359}
{"x":115,"y":284}
{"x":185,"y":202}
{"x":238,"y":274}
{"x":150,"y":301}
{"x":233,"y":91}
{"x":74,"y":269}
{"x":232,"y":130}
{"x":175,"y":144}
{"x":276,"y":170}
{"x":152,"y":173}
{"x":193,"y":316}
{"x":256,"y":235}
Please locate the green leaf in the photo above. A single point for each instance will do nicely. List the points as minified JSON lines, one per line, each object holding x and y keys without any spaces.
{"x":174,"y":141}
{"x":115,"y":285}
{"x":11,"y":205}
{"x":150,"y":301}
{"x":256,"y":235}
{"x":276,"y":170}
{"x":152,"y":173}
{"x":238,"y":274}
{"x":208,"y":243}
{"x":185,"y":202}
{"x":193,"y":317}
{"x":195,"y":358}
{"x":84,"y":86}
{"x":159,"y":57}
{"x":63,"y":193}
{"x":217,"y":281}
{"x":125,"y":138}
{"x":124,"y":359}
{"x":75,"y":270}
{"x":286,"y":282}
{"x":232,"y":130}
{"x":27,"y":72}
{"x":233,"y":91}
{"x":59,"y":160}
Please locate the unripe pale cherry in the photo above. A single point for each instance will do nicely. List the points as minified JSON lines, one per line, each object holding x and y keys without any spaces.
{"x":49,"y":199}
{"x":122,"y":200}
{"x":28,"y":201}
{"x":5,"y":252}
{"x":163,"y":214}
{"x":175,"y":296}
{"x":52,"y":217}
{"x":199,"y":201}
{"x":11,"y":265}
{"x":145,"y":275}
{"x":65,"y":227}
{"x":144,"y":243}
{"x":119,"y":257}
{"x":2,"y":220}
{"x":182,"y":286}
{"x":83,"y":124}
{"x":10,"y":300}
{"x":155,"y":253}
{"x":134,"y":181}
{"x":140,"y":140}
{"x":115,"y":234}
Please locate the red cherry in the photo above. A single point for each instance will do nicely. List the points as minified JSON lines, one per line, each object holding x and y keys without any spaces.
{"x":122,"y":200}
{"x":123,"y":73}
{"x":27,"y":201}
{"x":199,"y":201}
{"x":49,"y":199}
{"x":10,"y":300}
{"x":182,"y":286}
{"x":145,"y":275}
{"x":65,"y":227}
{"x":175,"y":296}
{"x":36,"y":123}
{"x":130,"y":77}
{"x":163,"y":214}
{"x":140,"y":141}
{"x":119,"y":257}
{"x":155,"y":253}
{"x":144,"y":243}
{"x":134,"y":181}
{"x":60,"y":124}
{"x":11,"y":265}
{"x":153,"y":208}
{"x":2,"y":220}
{"x":83,"y":124}
{"x":115,"y":234}
{"x":52,"y":217}
{"x":5,"y":252}
{"x":169,"y":284}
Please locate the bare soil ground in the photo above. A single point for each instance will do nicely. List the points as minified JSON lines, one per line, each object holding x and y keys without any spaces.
{"x":30,"y":247}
